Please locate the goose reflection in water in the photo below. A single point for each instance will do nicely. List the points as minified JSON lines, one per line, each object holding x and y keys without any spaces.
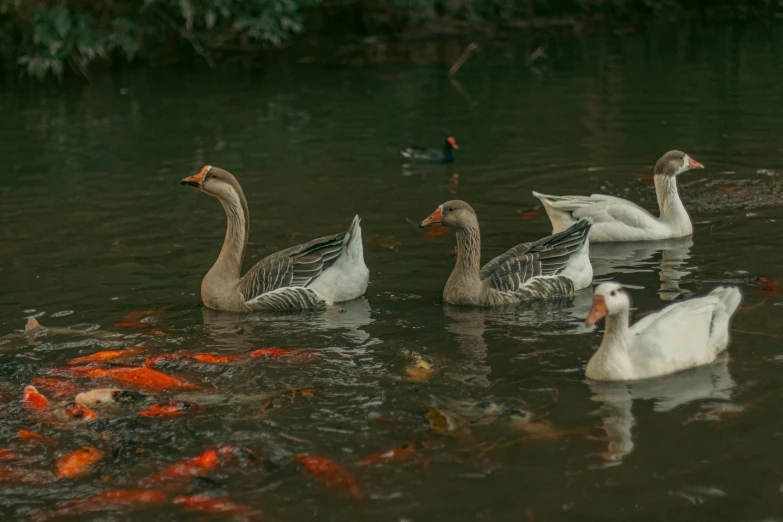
{"x":711,"y":382}
{"x":560,"y":316}
{"x":468,"y":330}
{"x":239,"y":333}
{"x":610,"y":259}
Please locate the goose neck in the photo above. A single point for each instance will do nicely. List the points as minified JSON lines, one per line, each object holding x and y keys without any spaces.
{"x":671,"y":207}
{"x":616,"y":333}
{"x":468,"y":252}
{"x":229,"y":263}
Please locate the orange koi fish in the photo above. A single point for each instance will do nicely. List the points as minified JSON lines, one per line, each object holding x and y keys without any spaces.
{"x":193,"y":467}
{"x":109,"y":396}
{"x":33,"y":399}
{"x":32,"y":324}
{"x":80,"y":412}
{"x":768,"y":288}
{"x":392,"y":455}
{"x":124,"y":499}
{"x":271,"y":352}
{"x":59,"y":389}
{"x":144,"y":379}
{"x":31,"y":436}
{"x":171,"y":409}
{"x":239,"y":455}
{"x":79,"y":463}
{"x":108,"y":355}
{"x":132,"y":324}
{"x":139,"y":314}
{"x":330,"y":473}
{"x":204,"y":504}
{"x":206,"y":358}
{"x":9,"y":455}
{"x":438,"y":231}
{"x":81,"y":371}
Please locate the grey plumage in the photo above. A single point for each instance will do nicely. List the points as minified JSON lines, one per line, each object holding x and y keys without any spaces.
{"x":295,"y":279}
{"x":552,"y":267}
{"x":545,"y":257}
{"x":279,"y":281}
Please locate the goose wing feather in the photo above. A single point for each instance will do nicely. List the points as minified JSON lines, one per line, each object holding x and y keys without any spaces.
{"x":296,"y":266}
{"x":545,"y":257}
{"x":601,"y":208}
{"x":679,"y":335}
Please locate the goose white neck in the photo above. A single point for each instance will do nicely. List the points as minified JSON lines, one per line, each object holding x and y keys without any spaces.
{"x":616,"y":333}
{"x":672,"y":210}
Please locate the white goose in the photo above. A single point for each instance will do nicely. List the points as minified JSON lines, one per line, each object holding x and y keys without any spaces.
{"x":309,"y":276}
{"x":616,"y":219}
{"x":681,"y":336}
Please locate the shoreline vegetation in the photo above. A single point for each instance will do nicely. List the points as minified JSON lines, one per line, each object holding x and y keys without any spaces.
{"x":43,"y":39}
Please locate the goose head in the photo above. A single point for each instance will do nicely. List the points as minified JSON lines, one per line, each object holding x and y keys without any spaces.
{"x":451,"y":143}
{"x":674,"y":163}
{"x":608,"y":299}
{"x":454,"y":214}
{"x":215,"y":182}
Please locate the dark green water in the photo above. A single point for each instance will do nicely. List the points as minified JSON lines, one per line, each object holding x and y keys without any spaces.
{"x":95,"y":225}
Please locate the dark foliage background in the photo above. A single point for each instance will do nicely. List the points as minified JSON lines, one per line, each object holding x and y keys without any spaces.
{"x":49,"y":37}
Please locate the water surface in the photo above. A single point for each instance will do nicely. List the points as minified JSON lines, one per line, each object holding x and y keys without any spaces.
{"x":95,"y":226}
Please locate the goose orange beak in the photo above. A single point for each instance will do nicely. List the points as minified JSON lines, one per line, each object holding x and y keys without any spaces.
{"x":597,"y":312}
{"x":693,"y":164}
{"x":196,"y":180}
{"x":433,"y":219}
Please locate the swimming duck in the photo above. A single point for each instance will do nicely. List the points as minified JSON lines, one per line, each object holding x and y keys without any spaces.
{"x":616,"y":219}
{"x":681,"y":336}
{"x":422,"y":155}
{"x":309,"y":276}
{"x":554,"y":266}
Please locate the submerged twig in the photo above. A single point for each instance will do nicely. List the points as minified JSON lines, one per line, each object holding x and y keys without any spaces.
{"x":295,"y":439}
{"x":460,"y":89}
{"x":765,"y":334}
{"x":463,"y":58}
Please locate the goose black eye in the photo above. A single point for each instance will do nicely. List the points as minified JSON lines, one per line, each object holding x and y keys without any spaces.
{"x":451,"y":209}
{"x":613,"y":293}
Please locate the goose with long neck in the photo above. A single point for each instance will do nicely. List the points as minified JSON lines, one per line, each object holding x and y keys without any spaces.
{"x":304,"y":277}
{"x":681,"y":336}
{"x":554,"y":266}
{"x":616,"y":219}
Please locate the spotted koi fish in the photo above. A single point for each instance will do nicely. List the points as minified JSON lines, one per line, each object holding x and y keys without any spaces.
{"x":106,"y":396}
{"x":79,"y":412}
{"x":171,"y":409}
{"x":33,"y":399}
